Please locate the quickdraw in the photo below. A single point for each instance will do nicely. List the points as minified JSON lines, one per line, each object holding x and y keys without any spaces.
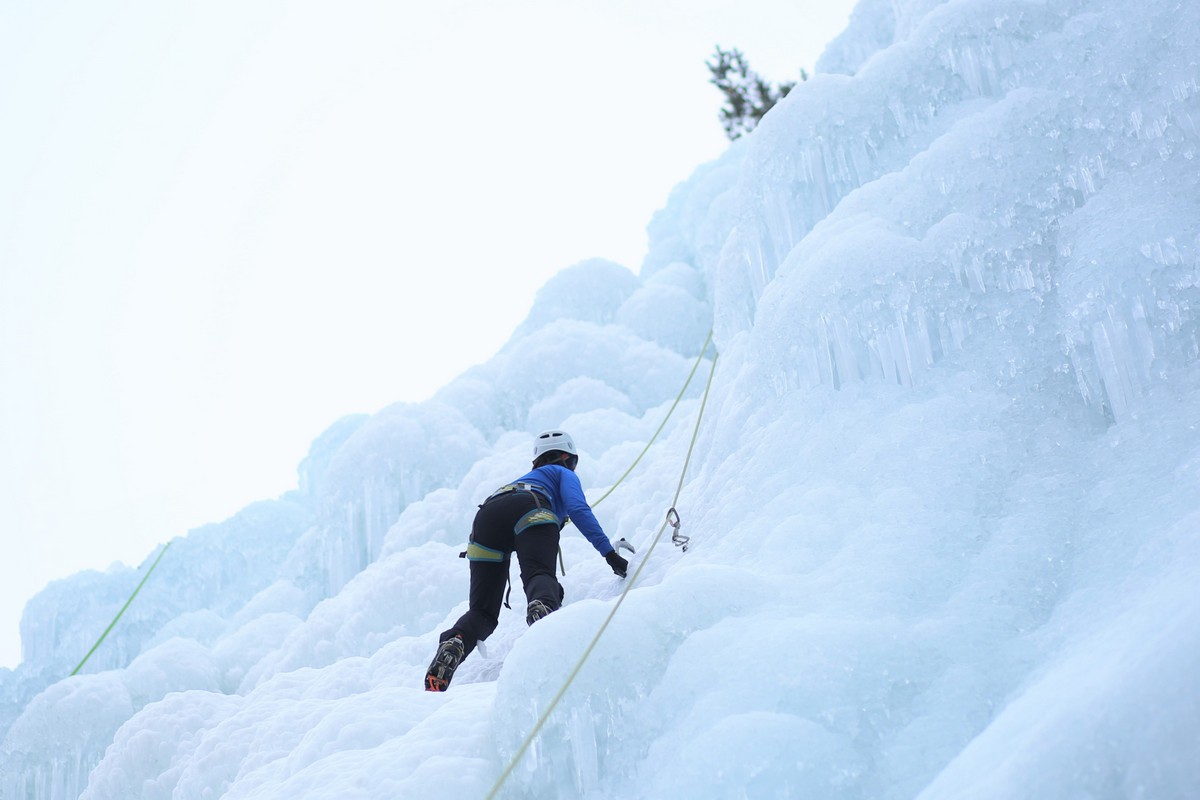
{"x":677,"y":538}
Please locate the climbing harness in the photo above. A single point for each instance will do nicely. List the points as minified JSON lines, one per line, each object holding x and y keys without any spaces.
{"x":538,"y":516}
{"x":534,"y":490}
{"x":537,"y":728}
{"x":477,"y":552}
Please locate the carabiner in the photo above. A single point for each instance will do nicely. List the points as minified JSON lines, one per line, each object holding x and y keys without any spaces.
{"x":677,"y":538}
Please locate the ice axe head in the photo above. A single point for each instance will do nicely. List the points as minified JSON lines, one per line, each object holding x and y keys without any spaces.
{"x":621,"y":543}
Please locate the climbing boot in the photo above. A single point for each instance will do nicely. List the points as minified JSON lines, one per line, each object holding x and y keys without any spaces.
{"x":449,"y":655}
{"x":536,"y":610}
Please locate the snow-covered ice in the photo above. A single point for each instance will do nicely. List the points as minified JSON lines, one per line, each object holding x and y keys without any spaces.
{"x":943,"y":504}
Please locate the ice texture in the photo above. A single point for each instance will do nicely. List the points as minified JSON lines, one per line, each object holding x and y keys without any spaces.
{"x":942,"y":502}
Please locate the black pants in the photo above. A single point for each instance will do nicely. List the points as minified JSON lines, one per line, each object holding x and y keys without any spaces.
{"x":536,"y":548}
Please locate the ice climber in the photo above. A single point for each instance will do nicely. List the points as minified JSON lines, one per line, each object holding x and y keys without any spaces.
{"x":523,"y":517}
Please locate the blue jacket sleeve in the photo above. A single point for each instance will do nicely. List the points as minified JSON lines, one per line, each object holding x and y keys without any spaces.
{"x":577,"y":508}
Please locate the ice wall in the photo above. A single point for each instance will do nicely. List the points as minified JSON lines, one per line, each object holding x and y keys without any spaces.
{"x":196,"y":592}
{"x":1004,"y":169}
{"x":942,"y":503}
{"x":294,"y":583}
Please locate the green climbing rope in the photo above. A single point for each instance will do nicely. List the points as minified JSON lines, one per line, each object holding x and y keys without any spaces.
{"x":662,"y":424}
{"x":704,"y":349}
{"x":113,"y":624}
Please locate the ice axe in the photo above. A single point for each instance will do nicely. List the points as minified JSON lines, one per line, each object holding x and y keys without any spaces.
{"x":620,"y":566}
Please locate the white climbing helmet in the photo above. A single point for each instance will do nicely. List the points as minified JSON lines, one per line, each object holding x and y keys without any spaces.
{"x":554,"y":440}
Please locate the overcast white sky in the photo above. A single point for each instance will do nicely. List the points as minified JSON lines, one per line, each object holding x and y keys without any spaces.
{"x":224,"y":225}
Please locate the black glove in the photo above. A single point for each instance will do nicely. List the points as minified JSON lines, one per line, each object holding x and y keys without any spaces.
{"x":619,"y":565}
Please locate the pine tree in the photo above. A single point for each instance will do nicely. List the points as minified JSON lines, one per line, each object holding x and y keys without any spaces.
{"x":747,"y":96}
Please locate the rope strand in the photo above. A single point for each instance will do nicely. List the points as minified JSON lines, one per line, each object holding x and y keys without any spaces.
{"x":662,"y":424}
{"x":562,"y":564}
{"x":113,"y":624}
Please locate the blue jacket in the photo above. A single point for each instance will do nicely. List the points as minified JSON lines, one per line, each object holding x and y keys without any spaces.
{"x":565,"y":493}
